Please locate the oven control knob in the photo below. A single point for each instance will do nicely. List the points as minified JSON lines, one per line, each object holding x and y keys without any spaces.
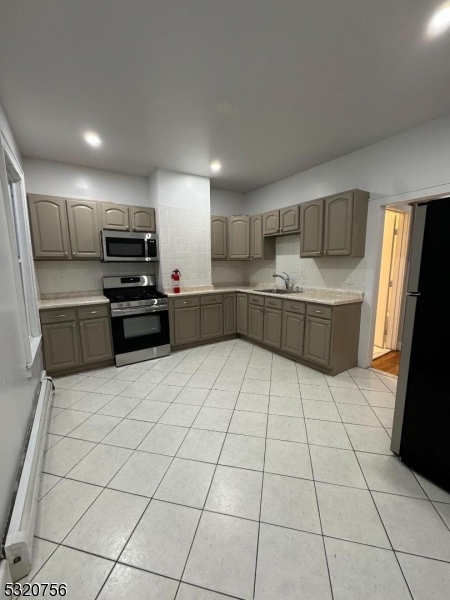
{"x":140,"y":302}
{"x":120,"y":304}
{"x":128,"y":303}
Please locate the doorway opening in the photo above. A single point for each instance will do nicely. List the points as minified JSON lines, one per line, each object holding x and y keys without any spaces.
{"x":391,"y":286}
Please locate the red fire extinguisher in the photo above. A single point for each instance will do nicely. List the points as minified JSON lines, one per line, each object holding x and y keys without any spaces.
{"x":176,"y":274}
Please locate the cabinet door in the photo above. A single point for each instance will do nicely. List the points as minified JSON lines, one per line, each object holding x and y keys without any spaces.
{"x":212,"y":321}
{"x":142,"y":219}
{"x":256,"y":238}
{"x":317,"y":340}
{"x":84,"y":229}
{"x":49,"y":228}
{"x":229,"y":314}
{"x":187,"y":325}
{"x":290,"y":219}
{"x":238,"y":238}
{"x":219,"y":238}
{"x":311,"y":234}
{"x":61,"y":346}
{"x":293,"y":333}
{"x":115,"y":216}
{"x":272,"y":327}
{"x":338,"y":225}
{"x":256,"y":322}
{"x":271,"y":222}
{"x":242,"y":315}
{"x":95,"y":340}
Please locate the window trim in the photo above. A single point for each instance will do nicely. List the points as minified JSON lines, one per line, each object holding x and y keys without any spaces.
{"x":10,"y":169}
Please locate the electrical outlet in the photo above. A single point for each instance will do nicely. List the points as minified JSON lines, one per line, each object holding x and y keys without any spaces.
{"x":350,"y":280}
{"x":302,"y":271}
{"x":62,"y":274}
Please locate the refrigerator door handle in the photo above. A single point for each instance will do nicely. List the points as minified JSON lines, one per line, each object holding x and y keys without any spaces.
{"x":414,"y":294}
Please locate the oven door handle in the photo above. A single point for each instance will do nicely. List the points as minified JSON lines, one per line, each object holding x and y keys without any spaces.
{"x":124,"y":312}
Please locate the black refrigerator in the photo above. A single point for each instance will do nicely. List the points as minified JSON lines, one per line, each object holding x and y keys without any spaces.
{"x":421,"y":431}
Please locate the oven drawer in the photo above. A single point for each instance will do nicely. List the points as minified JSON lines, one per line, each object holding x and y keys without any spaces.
{"x":211,"y":299}
{"x":319,"y":310}
{"x":186,"y":301}
{"x":92,"y":312}
{"x":59,"y":315}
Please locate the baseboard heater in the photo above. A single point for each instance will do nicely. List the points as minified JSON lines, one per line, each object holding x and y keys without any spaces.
{"x":19,"y":539}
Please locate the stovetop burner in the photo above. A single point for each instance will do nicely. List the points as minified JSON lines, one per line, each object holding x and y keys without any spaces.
{"x":121,"y":295}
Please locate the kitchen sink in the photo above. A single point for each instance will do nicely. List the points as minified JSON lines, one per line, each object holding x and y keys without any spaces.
{"x":272,"y":291}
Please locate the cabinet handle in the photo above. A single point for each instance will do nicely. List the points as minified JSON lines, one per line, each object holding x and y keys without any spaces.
{"x":301,"y":318}
{"x":66,"y":254}
{"x":325,"y":251}
{"x":73,"y":325}
{"x":74,"y":253}
{"x":93,"y":312}
{"x":81,"y":325}
{"x":58,"y":316}
{"x":319,"y":312}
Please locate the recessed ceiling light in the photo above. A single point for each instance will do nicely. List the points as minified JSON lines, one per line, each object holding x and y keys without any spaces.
{"x":93,"y":139}
{"x":215,"y":166}
{"x":440,"y":21}
{"x":225,"y":107}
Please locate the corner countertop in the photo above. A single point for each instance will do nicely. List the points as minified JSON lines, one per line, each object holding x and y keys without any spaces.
{"x":315,"y":296}
{"x":72,"y":301}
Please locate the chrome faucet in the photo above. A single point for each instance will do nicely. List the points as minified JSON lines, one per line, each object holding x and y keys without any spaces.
{"x":287,"y":279}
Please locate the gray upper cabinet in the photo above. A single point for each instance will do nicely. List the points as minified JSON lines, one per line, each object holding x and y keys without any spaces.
{"x":290,"y":219}
{"x":238,"y":238}
{"x":142,"y":219}
{"x":115,"y":216}
{"x":84,"y":228}
{"x":241,"y":313}
{"x":219,"y":238}
{"x":61,"y":346}
{"x":272,"y":327}
{"x":345,"y":223}
{"x":95,"y":340}
{"x":229,"y":314}
{"x":311,"y":221}
{"x":49,"y":227}
{"x":256,"y":322}
{"x":293,"y":333}
{"x":211,"y":321}
{"x":271,"y":222}
{"x":187,"y":325}
{"x":260,"y":247}
{"x":317,"y":340}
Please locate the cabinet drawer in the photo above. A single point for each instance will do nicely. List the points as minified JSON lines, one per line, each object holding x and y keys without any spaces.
{"x":59,"y":315}
{"x":319,"y":310}
{"x":295,"y":307}
{"x":186,"y":302}
{"x":211,"y":299}
{"x":256,"y":300}
{"x":92,"y":312}
{"x":273,"y":303}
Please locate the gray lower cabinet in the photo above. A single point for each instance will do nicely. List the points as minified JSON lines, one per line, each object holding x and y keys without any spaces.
{"x":219,"y":238}
{"x":241,"y":313}
{"x":84,"y":228}
{"x":317,"y":341}
{"x":49,"y":227}
{"x":239,"y":238}
{"x":61,"y":346}
{"x":256,"y":322}
{"x":311,"y":222}
{"x":142,"y":219}
{"x":187,"y":325}
{"x":95,"y":340}
{"x":293,"y":333}
{"x":211,"y":321}
{"x":229,"y":314}
{"x":272,"y":327}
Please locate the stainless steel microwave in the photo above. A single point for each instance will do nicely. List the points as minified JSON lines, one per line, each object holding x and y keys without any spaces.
{"x":126,"y":246}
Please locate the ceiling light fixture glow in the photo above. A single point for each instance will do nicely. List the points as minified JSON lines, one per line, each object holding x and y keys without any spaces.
{"x":93,"y":139}
{"x":440,"y":21}
{"x":215,"y":166}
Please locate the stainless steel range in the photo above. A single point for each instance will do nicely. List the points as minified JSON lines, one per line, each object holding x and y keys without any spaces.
{"x":139,"y":318}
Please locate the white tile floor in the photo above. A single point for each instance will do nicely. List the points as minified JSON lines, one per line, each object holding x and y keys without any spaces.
{"x":228,"y":471}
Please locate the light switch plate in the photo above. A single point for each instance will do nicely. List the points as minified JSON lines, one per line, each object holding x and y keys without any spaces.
{"x":62,"y":274}
{"x":350,"y":280}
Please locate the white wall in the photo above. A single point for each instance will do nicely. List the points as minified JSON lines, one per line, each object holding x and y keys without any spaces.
{"x":226,"y":204}
{"x":59,"y":179}
{"x":17,"y":391}
{"x":409,"y":165}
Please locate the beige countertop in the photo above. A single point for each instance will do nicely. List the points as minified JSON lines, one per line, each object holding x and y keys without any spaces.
{"x":317,"y":296}
{"x":72,"y":301}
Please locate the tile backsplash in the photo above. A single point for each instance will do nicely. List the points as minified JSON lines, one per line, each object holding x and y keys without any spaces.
{"x":63,"y":277}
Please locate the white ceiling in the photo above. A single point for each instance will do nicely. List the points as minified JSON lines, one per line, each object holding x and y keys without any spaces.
{"x":310,"y":80}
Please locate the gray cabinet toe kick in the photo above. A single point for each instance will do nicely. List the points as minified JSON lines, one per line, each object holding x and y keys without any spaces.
{"x":323,"y":337}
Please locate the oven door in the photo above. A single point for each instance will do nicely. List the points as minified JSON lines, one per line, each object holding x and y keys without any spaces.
{"x":139,"y":329}
{"x":123,"y":247}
